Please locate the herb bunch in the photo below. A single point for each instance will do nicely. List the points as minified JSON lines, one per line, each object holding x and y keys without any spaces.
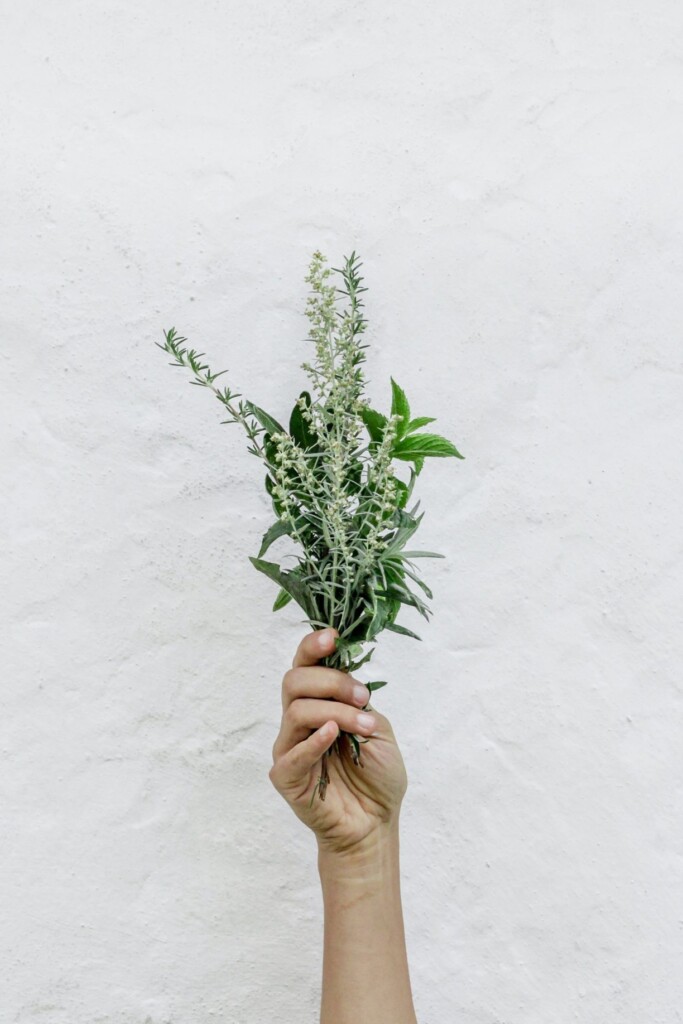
{"x":331,"y":478}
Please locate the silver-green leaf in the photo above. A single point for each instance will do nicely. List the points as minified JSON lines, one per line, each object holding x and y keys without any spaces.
{"x":289,"y":582}
{"x":279,"y":529}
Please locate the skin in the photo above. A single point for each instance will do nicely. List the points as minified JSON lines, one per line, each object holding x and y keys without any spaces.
{"x":365,"y":967}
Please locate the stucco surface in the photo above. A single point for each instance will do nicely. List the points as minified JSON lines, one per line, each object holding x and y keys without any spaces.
{"x":510,"y":174}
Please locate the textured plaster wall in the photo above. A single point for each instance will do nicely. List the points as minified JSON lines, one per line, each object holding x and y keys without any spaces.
{"x":510,"y":174}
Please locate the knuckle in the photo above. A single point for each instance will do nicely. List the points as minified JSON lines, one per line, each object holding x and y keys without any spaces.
{"x":273,"y":776}
{"x":289,"y":680}
{"x":294,"y":713}
{"x":335,"y":683}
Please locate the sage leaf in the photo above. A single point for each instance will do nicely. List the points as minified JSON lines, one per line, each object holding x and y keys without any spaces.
{"x":270,"y":424}
{"x":282,"y":599}
{"x":289,"y":582}
{"x":419,"y":554}
{"x":403,"y":630}
{"x":278,"y":529}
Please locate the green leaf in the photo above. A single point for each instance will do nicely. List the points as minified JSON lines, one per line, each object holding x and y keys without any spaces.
{"x":403,"y":518}
{"x":420,"y":583}
{"x":379,"y":619}
{"x":403,"y":493}
{"x":419,"y":463}
{"x":269,"y":447}
{"x":411,"y":482}
{"x":399,"y":404}
{"x":270,"y":487}
{"x":374,"y":421}
{"x":376,"y":685}
{"x":351,"y":647}
{"x":395,"y":628}
{"x":420,"y":446}
{"x":271,"y":425}
{"x":281,"y":600}
{"x":354,"y":666}
{"x":403,"y":533}
{"x":289,"y":582}
{"x":421,"y":421}
{"x":299,"y":428}
{"x":395,"y":609}
{"x":383,"y":611}
{"x":419,"y":554}
{"x":406,"y":597}
{"x":278,"y":529}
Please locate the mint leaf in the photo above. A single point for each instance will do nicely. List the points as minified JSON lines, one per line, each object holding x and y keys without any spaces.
{"x":399,"y":404}
{"x":374,"y":421}
{"x":420,"y":446}
{"x":421,"y":421}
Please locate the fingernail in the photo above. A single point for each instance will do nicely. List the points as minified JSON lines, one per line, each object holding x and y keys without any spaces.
{"x":361,"y":694}
{"x":365,"y":722}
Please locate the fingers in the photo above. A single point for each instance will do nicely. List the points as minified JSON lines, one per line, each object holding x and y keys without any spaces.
{"x":317,"y":698}
{"x":305,"y":713}
{"x":314,"y":646}
{"x":297,"y":764}
{"x":323,"y":683}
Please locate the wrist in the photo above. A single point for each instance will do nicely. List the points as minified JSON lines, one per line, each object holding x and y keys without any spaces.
{"x":375,"y":858}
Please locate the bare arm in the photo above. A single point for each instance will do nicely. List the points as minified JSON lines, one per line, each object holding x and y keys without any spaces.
{"x":365,"y":966}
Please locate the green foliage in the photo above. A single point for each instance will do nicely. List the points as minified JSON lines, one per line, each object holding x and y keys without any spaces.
{"x":299,"y":427}
{"x":421,"y":446}
{"x":289,"y":581}
{"x":266,"y":421}
{"x":332,"y":481}
{"x":278,"y":529}
{"x":399,"y":407}
{"x":395,"y":628}
{"x":375,"y":422}
{"x":281,"y":600}
{"x":421,"y":421}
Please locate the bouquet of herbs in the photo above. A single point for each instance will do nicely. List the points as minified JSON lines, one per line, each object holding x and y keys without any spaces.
{"x":331,"y":478}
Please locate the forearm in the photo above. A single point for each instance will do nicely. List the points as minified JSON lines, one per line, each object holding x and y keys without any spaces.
{"x":365,"y":966}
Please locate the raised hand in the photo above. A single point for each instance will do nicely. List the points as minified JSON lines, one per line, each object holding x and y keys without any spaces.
{"x":317,"y":703}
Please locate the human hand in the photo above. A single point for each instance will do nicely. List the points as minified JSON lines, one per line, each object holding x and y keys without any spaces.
{"x":361,"y":801}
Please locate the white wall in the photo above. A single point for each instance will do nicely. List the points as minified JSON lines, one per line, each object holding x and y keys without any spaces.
{"x":509,"y":172}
